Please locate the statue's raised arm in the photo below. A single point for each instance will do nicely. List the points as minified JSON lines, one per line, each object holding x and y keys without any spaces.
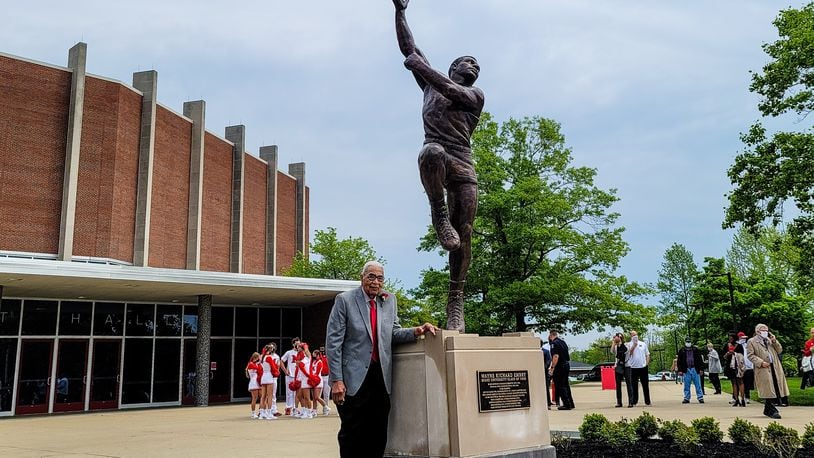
{"x":405,"y":37}
{"x":452,"y":109}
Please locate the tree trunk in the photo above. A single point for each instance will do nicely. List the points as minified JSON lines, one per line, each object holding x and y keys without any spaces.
{"x":520,"y":320}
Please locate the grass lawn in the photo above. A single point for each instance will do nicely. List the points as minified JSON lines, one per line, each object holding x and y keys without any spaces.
{"x":797,"y":397}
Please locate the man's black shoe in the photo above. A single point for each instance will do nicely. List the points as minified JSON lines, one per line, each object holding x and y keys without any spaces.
{"x":618,"y":405}
{"x":700,"y":401}
{"x":648,"y":404}
{"x":686,"y":401}
{"x":564,"y":408}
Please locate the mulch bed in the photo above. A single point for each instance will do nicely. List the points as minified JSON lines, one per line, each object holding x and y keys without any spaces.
{"x":657,"y":448}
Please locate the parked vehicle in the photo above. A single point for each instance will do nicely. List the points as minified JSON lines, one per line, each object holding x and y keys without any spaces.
{"x":663,"y":375}
{"x":595,"y":374}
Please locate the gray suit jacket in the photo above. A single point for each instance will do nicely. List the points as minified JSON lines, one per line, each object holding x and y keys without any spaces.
{"x":349,"y":343}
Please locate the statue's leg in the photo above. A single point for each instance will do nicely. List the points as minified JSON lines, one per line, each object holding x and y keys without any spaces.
{"x":432,"y":166}
{"x":463,"y":204}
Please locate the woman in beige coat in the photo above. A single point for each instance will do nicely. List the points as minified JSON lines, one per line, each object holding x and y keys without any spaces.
{"x":764,"y":350}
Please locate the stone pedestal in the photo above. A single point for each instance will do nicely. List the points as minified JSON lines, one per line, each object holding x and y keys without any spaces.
{"x":435,"y":400}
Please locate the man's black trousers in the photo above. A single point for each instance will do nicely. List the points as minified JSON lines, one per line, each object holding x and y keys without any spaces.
{"x":637,"y":375}
{"x":363,"y":433}
{"x":561,"y":385}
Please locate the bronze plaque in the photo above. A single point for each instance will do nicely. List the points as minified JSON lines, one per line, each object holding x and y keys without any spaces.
{"x":503,"y":390}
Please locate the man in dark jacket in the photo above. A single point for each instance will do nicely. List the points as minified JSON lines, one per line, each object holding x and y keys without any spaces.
{"x":691,"y":367}
{"x":559,"y":369}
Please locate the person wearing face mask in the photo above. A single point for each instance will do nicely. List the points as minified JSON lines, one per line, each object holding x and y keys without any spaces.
{"x":763,"y":351}
{"x":714,"y":367}
{"x":691,"y":366}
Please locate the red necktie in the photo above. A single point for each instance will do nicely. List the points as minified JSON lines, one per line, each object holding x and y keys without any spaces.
{"x":375,"y":355}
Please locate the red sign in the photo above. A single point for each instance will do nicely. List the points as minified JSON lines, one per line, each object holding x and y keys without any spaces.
{"x":213,"y":365}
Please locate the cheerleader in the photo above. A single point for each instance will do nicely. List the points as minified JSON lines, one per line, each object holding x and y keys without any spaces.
{"x":302,"y":372}
{"x":273,"y":352}
{"x":289,"y":367}
{"x":316,"y":391}
{"x":268,"y":383}
{"x":254,"y":372}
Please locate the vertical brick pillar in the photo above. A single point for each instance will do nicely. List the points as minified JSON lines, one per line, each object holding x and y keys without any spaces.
{"x":237,"y":135}
{"x":202,"y":357}
{"x":147,"y":83}
{"x":297,"y":171}
{"x":269,"y":154}
{"x":77,"y":59}
{"x":196,"y":111}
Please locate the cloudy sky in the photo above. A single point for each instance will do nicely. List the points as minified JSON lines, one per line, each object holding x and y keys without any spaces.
{"x":651,"y":93}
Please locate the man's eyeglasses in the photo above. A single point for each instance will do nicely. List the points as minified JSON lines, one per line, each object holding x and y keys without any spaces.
{"x":372,"y":277}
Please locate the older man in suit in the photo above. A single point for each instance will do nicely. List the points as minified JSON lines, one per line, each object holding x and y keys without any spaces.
{"x":362,"y":328}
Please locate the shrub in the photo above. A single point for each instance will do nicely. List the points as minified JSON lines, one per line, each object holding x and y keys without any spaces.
{"x":808,"y":436}
{"x":686,"y":439}
{"x":592,"y":423}
{"x":646,"y":426}
{"x":790,"y":366}
{"x":669,"y":429}
{"x":780,"y":441}
{"x":708,"y":430}
{"x":618,"y":435}
{"x":743,"y":432}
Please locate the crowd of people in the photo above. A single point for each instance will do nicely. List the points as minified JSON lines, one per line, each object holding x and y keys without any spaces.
{"x":306,"y":381}
{"x":749,"y":363}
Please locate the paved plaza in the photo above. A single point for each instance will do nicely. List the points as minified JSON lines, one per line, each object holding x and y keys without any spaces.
{"x":228,"y":430}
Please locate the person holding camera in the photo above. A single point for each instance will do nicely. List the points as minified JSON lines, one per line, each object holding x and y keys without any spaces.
{"x":763,"y":351}
{"x":622,"y":372}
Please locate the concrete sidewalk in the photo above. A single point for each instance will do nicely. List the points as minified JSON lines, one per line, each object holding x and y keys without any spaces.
{"x":228,"y":430}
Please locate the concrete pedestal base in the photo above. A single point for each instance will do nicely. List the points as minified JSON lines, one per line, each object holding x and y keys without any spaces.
{"x":435,"y":398}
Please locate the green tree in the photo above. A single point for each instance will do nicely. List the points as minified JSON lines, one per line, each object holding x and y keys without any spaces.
{"x":775,"y":169}
{"x":770,"y":253}
{"x":337,"y":259}
{"x":757,"y":300}
{"x":677,"y":278}
{"x":546,"y":243}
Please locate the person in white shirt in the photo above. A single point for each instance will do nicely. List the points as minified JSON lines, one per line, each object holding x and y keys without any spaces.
{"x":638,"y":360}
{"x":749,"y":375}
{"x":288,"y":360}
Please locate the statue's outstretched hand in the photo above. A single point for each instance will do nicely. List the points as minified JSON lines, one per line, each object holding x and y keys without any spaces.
{"x":401,"y":4}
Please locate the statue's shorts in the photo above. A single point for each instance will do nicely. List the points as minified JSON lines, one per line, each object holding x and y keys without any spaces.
{"x":456,"y":160}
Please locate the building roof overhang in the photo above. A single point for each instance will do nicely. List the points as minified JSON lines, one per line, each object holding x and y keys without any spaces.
{"x":102,"y":282}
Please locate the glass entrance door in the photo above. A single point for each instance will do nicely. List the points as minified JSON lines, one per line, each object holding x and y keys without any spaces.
{"x":189,"y":372}
{"x":69,"y":393}
{"x":104,"y":377}
{"x":220,"y":369}
{"x":35,"y":376}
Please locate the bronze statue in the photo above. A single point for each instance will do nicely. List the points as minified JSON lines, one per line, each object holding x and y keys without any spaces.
{"x":452,"y":108}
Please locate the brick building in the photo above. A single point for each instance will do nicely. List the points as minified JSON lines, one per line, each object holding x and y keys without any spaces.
{"x":138,"y":249}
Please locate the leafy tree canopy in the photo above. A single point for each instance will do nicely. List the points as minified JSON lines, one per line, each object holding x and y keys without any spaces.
{"x":776,"y":169}
{"x":757,"y":300}
{"x":546,"y":243}
{"x":677,"y":278}
{"x":337,"y":259}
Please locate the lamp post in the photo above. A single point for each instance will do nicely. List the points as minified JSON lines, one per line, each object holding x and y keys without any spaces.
{"x":731,"y":297}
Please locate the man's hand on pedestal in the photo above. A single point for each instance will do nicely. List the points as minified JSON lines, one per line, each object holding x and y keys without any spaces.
{"x":423,"y":329}
{"x":338,"y":392}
